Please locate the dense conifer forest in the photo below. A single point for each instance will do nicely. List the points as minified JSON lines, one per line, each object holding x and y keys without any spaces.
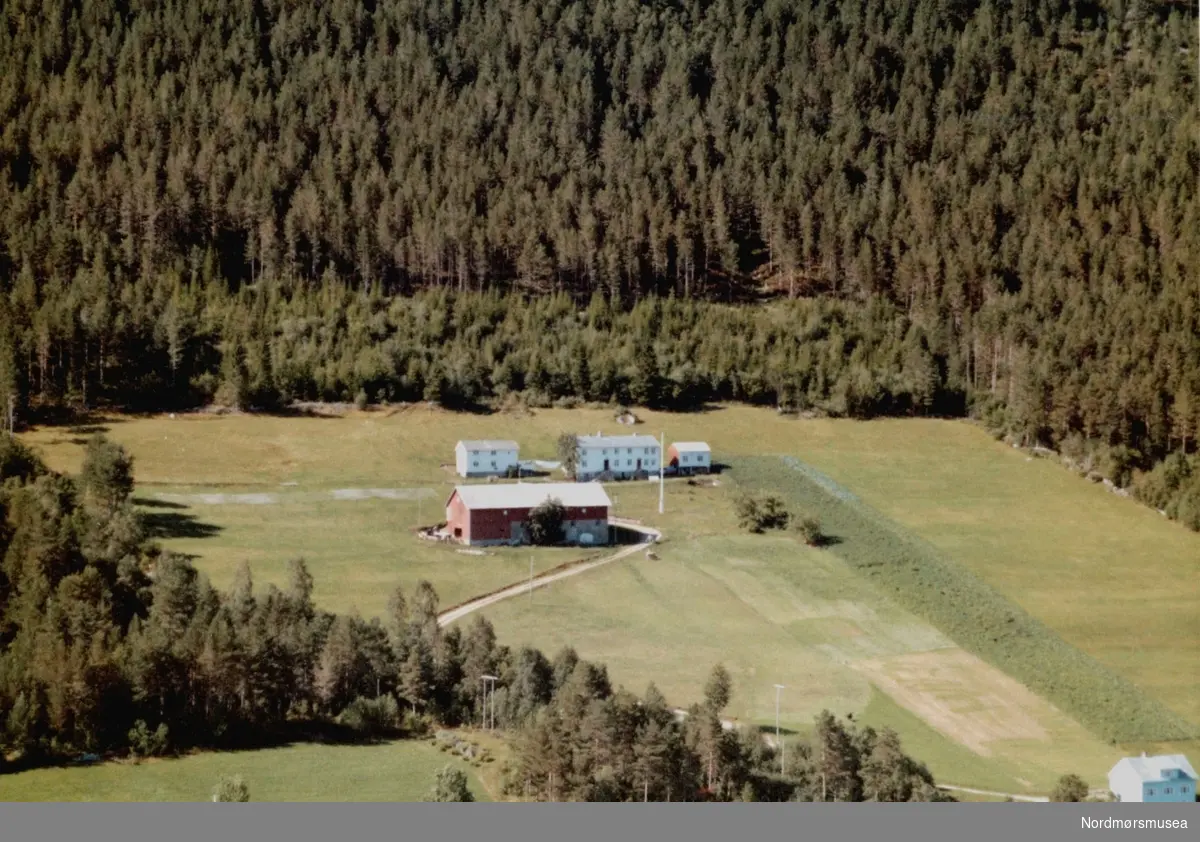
{"x":962,"y":207}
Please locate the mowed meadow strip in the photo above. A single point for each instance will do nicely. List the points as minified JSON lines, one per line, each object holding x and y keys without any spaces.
{"x":968,"y":610}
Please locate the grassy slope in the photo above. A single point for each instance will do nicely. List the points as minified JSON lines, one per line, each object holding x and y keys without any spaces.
{"x":1110,"y":576}
{"x":1025,"y":527}
{"x":773,"y":611}
{"x":971,"y":612}
{"x":398,"y":771}
{"x":358,"y":551}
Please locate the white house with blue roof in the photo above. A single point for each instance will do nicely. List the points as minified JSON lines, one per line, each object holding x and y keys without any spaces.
{"x":1163,"y":778}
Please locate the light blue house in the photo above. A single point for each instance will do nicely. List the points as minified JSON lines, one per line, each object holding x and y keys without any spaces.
{"x":1162,"y":779}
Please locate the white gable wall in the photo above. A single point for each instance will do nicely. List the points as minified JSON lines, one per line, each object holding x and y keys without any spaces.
{"x":1125,"y":783}
{"x":483,"y":463}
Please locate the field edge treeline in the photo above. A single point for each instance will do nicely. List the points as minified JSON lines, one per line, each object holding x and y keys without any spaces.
{"x":269,"y":345}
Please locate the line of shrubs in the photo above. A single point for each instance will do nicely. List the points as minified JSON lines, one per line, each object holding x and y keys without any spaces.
{"x":767,"y":512}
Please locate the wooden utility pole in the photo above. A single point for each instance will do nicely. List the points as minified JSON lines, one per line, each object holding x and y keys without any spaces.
{"x":662,"y":455}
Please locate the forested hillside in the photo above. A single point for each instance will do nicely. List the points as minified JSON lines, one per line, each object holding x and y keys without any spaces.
{"x":994,"y":205}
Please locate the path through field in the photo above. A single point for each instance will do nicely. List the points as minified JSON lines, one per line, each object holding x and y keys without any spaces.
{"x":649,"y":536}
{"x":266,"y":499}
{"x":1032,"y":799}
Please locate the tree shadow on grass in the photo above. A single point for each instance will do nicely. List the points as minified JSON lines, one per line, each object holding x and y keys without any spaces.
{"x":240,"y":738}
{"x":826,"y":541}
{"x":153,"y":503}
{"x":164,"y":525}
{"x":770,"y":730}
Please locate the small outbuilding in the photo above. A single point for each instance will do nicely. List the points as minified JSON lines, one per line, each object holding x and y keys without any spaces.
{"x":1163,"y":778}
{"x":689,"y":457}
{"x":485,"y":458}
{"x":480,"y":515}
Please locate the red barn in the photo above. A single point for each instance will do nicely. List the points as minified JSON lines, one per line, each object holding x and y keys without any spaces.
{"x":496,"y":513}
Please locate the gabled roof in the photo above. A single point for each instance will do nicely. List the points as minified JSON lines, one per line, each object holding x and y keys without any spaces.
{"x":691,"y":447}
{"x":487,"y":444}
{"x":1153,"y":769}
{"x":631,"y":440}
{"x":527,"y":495}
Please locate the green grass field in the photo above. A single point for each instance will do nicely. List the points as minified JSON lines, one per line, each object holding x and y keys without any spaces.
{"x":774,"y":611}
{"x":396,"y":771}
{"x":1112,"y":578}
{"x":967,"y":609}
{"x":358,"y":550}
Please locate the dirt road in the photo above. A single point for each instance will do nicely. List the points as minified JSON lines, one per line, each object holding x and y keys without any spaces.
{"x":649,"y":536}
{"x":1032,"y":799}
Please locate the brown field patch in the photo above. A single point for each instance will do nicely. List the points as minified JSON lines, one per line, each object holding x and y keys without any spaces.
{"x":962,"y":696}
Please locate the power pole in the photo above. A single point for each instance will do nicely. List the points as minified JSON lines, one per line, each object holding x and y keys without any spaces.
{"x":662,"y":454}
{"x":489,"y":721}
{"x":778,"y":742}
{"x":483,"y":707}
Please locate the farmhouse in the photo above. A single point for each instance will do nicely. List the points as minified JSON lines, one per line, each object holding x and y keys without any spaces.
{"x":1164,"y":778}
{"x":619,"y":457}
{"x":485,"y":458}
{"x":496,"y":514}
{"x":689,"y":457}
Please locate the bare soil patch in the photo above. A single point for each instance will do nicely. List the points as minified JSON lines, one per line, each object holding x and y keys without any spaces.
{"x":961,"y":696}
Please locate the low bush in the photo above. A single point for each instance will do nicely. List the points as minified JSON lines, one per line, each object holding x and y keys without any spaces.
{"x":1070,"y":788}
{"x":146,"y":743}
{"x":759,"y":513}
{"x":371,"y":717}
{"x":809,"y":530}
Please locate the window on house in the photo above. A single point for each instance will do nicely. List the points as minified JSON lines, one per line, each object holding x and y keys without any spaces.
{"x":474,"y":463}
{"x":1149,"y":792}
{"x":493,"y":453}
{"x":1167,"y":791}
{"x":1183,"y":789}
{"x":628,"y":462}
{"x":493,"y":463}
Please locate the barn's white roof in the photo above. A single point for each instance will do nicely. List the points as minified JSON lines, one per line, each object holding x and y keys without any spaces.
{"x":691,"y":446}
{"x":527,"y":495}
{"x":632,"y":440}
{"x":1151,"y":769}
{"x":488,"y":444}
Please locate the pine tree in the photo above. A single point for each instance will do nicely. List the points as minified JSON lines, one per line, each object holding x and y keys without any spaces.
{"x":1184,"y":416}
{"x":107,"y":474}
{"x":718,"y":689}
{"x":416,"y":676}
{"x":645,"y":387}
